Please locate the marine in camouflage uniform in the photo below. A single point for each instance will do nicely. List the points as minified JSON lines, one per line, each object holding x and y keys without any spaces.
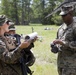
{"x":27,"y":55}
{"x":9,"y":58}
{"x":66,"y":43}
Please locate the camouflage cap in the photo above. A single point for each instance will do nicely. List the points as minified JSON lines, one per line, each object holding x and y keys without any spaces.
{"x":66,"y":9}
{"x":4,"y":19}
{"x":12,"y":27}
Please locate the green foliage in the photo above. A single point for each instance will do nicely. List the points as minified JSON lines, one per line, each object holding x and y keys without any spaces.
{"x":46,"y":21}
{"x":57,"y":19}
{"x":10,"y":8}
{"x":5,"y":7}
{"x":18,"y":10}
{"x":45,"y":60}
{"x":43,"y":8}
{"x":25,"y":11}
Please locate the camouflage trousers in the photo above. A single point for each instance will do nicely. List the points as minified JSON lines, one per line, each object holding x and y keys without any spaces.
{"x":67,"y":71}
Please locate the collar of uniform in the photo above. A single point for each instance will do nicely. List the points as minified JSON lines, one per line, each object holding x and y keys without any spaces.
{"x":64,"y":26}
{"x":69,"y":26}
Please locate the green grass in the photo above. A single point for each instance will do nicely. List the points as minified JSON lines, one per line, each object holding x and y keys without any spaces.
{"x":45,"y":60}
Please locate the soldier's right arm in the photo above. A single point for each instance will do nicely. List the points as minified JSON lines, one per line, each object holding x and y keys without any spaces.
{"x":13,"y":56}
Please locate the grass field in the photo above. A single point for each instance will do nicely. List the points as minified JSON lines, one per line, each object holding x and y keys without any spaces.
{"x":45,"y":60}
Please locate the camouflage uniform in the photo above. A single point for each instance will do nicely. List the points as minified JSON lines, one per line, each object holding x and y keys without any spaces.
{"x":27,"y":52}
{"x":9,"y":59}
{"x":9,"y":53}
{"x":67,"y":53}
{"x":27,"y":57}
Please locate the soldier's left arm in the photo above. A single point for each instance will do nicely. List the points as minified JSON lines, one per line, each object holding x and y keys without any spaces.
{"x":71,"y":44}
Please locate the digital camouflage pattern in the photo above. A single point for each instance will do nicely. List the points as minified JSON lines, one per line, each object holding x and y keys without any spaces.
{"x":12,"y":27}
{"x":9,"y":59}
{"x":67,"y":71}
{"x":67,"y":54}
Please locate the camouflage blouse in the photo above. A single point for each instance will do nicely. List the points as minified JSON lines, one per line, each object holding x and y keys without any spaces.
{"x":9,"y":58}
{"x":67,"y":54}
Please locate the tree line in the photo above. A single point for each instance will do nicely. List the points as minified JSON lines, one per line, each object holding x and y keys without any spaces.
{"x":23,"y":12}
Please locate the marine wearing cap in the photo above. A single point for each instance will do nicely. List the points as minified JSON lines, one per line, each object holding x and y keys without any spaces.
{"x":12,"y":27}
{"x":66,"y":9}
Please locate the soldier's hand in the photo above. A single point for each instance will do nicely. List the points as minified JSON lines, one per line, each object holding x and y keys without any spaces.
{"x":58,"y":41}
{"x":35,"y":38}
{"x":25,"y":44}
